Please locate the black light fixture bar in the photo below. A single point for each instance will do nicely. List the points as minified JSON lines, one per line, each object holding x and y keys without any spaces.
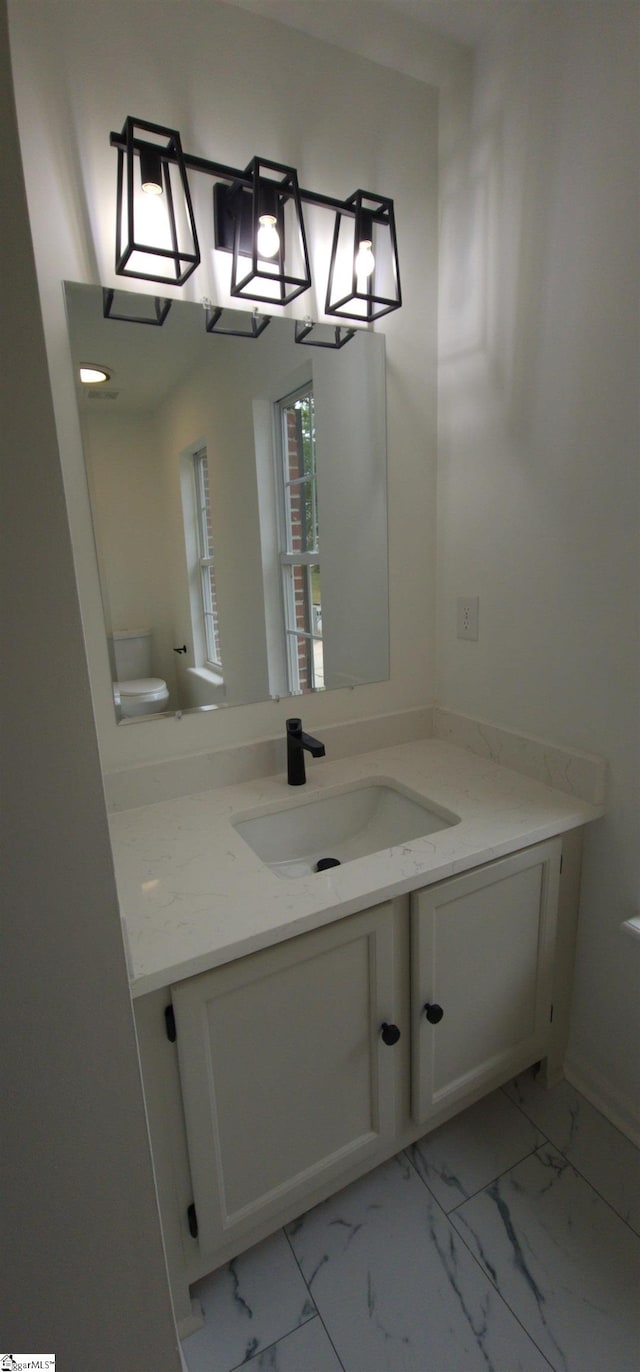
{"x":219,"y":171}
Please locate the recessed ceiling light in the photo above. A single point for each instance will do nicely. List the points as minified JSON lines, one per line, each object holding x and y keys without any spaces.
{"x":91,"y":375}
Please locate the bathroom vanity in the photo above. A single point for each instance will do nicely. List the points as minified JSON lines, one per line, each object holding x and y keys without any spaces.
{"x":296,"y":1030}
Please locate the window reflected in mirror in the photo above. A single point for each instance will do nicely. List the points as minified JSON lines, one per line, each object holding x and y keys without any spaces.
{"x":300,"y":539}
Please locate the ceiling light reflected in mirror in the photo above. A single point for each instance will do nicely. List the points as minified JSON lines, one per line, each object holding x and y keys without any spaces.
{"x":91,"y":375}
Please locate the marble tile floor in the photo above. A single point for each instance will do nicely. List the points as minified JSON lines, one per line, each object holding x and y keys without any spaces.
{"x":506,"y":1241}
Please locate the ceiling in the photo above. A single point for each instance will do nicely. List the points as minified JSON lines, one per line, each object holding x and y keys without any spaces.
{"x":462,"y":21}
{"x":139,"y":376}
{"x":465,"y":21}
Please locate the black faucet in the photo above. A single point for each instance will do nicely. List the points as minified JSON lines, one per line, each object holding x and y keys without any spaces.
{"x":297,"y":741}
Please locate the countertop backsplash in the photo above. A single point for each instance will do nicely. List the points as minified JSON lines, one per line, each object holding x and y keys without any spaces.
{"x":579,"y":774}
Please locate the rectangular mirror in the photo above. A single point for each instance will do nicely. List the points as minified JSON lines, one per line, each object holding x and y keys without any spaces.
{"x":237,"y":483}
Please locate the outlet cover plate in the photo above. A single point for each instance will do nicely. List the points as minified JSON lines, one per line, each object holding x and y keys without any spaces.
{"x":468,"y":616}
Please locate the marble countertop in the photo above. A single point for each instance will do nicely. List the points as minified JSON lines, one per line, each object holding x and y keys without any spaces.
{"x":193,"y":895}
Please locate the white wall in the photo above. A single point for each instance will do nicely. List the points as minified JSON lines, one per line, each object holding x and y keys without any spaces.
{"x":235,"y":85}
{"x":538,"y":446}
{"x":213,"y":404}
{"x":84,"y":1274}
{"x":131,"y":525}
{"x":349,"y":391}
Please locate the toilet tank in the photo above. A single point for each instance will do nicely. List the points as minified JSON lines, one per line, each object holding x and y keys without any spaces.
{"x":131,"y":653}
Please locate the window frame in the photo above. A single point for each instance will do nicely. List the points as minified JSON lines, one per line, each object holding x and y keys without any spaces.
{"x":291,"y":559}
{"x":208,"y":607}
{"x":202,"y":663}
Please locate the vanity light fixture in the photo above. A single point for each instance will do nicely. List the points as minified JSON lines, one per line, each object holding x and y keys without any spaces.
{"x":140,"y":309}
{"x":93,"y":375}
{"x":258,"y":218}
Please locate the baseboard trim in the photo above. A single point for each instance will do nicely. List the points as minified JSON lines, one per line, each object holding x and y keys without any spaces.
{"x":191,"y":1323}
{"x":617,"y":1107}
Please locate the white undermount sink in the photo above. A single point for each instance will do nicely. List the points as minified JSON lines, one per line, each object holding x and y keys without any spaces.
{"x":347,"y":824}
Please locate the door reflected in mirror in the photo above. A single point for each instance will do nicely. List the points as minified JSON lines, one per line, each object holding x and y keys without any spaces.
{"x":237,"y":484}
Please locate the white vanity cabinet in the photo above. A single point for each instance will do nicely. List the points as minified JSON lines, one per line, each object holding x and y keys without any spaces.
{"x":287,"y":1069}
{"x":482,"y":951}
{"x":280,"y":1087}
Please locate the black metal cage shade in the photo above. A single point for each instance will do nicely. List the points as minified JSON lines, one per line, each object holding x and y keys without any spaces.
{"x":272,"y":189}
{"x":240,"y":325}
{"x":359,"y":289}
{"x":156,"y":238}
{"x":324,"y":335}
{"x":130,"y":308}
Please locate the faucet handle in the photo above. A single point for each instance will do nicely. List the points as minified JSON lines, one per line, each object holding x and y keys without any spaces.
{"x":294,"y":726}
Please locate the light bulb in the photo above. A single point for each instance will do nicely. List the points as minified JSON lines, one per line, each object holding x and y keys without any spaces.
{"x":365,"y":260}
{"x":151,"y":172}
{"x":268,"y":240}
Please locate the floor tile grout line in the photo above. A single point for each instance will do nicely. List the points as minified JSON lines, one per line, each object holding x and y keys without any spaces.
{"x":533,"y":1124}
{"x":478,"y":1264}
{"x":547,"y":1142}
{"x":491,"y":1182}
{"x":313,"y":1300}
{"x":274,"y":1343}
{"x":447,"y":1214}
{"x":473,"y":1195}
{"x":454,"y":1212}
{"x":571,"y":1163}
{"x":503,"y":1297}
{"x":587,"y":1102}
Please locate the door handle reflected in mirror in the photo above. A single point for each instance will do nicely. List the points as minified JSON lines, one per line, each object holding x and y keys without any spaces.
{"x":183,"y":649}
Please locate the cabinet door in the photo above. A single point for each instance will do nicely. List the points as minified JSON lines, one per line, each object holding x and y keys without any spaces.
{"x":286,"y":1081}
{"x":482,"y":953}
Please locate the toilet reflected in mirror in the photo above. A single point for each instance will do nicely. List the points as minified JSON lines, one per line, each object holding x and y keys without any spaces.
{"x":135,"y":691}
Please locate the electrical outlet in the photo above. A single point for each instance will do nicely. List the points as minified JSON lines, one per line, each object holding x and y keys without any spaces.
{"x":468,"y":612}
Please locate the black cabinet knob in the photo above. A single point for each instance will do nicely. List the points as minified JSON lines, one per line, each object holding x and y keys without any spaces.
{"x":434,"y":1013}
{"x":390,"y":1034}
